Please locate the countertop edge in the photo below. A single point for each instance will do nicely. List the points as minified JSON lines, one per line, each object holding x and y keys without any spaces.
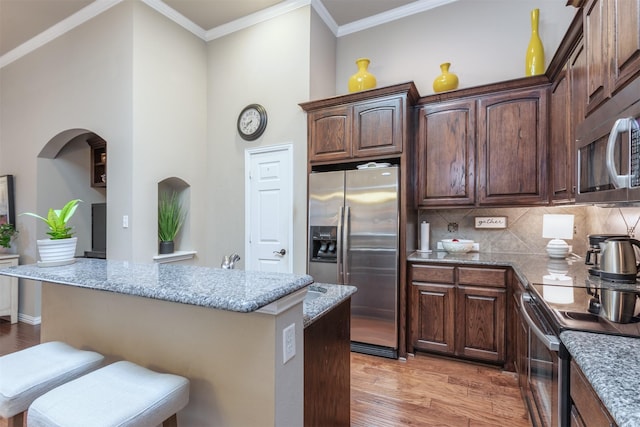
{"x":315,"y":309}
{"x":602,"y":357}
{"x":231,"y":290}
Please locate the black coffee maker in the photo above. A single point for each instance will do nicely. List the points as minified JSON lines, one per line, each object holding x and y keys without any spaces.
{"x":593,"y":252}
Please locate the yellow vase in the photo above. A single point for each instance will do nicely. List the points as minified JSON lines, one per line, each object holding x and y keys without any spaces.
{"x":535,"y":51}
{"x":446,"y":80}
{"x":363,"y":79}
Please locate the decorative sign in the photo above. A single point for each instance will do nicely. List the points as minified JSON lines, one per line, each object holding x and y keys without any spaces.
{"x":491,"y":222}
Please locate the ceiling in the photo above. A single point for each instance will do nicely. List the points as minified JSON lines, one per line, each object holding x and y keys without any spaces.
{"x":22,"y":20}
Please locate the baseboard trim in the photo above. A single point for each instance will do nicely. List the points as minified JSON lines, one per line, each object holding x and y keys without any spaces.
{"x":29,"y":319}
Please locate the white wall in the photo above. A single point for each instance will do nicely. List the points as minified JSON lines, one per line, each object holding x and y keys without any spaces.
{"x":266,"y":64}
{"x":322,"y":57}
{"x":79,"y":80}
{"x":485,"y":41}
{"x":169,"y":131}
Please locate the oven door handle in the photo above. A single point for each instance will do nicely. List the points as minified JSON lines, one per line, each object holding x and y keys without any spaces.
{"x":550,"y":341}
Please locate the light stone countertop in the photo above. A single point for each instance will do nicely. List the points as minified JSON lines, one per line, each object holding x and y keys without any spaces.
{"x":528,"y":268}
{"x":232,"y":290}
{"x":322,"y":299}
{"x":612,"y":365}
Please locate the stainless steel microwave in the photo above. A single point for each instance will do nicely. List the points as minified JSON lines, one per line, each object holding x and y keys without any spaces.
{"x":608,"y":162}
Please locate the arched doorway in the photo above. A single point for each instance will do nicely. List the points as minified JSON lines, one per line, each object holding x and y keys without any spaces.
{"x":66,"y":170}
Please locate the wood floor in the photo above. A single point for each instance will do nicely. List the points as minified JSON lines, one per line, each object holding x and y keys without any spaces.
{"x":421,"y":391}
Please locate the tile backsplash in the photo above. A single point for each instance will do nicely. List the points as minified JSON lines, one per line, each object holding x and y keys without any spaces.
{"x":524,"y":226}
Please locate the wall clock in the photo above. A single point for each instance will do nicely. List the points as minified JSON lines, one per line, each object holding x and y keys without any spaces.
{"x":252,"y":122}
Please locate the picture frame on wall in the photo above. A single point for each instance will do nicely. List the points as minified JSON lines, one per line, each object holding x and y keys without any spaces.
{"x":7,"y":200}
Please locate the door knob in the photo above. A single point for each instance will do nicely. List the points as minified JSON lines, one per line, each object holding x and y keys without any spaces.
{"x":281,"y":252}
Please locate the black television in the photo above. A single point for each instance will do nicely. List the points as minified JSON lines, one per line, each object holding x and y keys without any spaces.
{"x":98,"y":231}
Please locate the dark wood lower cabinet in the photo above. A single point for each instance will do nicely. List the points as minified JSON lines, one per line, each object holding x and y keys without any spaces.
{"x":462,"y":314}
{"x":327,"y":369}
{"x":587,"y":409}
{"x":481,"y":319}
{"x":433,"y":326}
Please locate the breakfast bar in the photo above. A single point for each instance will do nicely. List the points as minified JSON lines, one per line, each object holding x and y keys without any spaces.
{"x":222,"y":329}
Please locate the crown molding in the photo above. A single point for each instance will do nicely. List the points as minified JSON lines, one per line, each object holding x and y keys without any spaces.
{"x":391,"y":15}
{"x":90,"y":11}
{"x":255,"y":18}
{"x":176,"y":17}
{"x":325,"y":16}
{"x":99,"y":6}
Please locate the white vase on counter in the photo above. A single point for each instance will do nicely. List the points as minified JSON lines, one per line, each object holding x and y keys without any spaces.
{"x":57,"y":251}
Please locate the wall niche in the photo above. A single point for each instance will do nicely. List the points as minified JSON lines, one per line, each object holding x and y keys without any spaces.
{"x":174,"y":186}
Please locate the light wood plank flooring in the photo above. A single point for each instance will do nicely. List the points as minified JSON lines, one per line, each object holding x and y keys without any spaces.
{"x":421,"y":391}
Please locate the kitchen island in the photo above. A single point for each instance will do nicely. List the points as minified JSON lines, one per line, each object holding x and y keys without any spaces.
{"x":611,"y":364}
{"x":222,"y":329}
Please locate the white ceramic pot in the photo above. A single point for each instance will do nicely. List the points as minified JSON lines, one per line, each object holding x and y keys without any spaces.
{"x":58,"y":250}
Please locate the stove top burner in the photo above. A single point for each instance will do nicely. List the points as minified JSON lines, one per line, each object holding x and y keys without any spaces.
{"x":578,"y":307}
{"x":580,"y":317}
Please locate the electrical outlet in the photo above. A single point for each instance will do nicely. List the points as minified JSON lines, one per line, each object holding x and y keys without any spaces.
{"x":125,"y":221}
{"x":439,"y":246}
{"x":288,"y":343}
{"x":476,"y":247}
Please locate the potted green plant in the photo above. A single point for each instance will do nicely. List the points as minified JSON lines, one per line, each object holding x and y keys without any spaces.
{"x":171,"y":215}
{"x":60,"y":248}
{"x":7,"y":233}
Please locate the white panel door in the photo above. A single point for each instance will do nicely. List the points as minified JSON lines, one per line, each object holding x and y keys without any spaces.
{"x":269,"y":209}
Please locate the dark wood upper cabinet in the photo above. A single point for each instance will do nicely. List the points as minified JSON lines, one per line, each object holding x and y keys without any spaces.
{"x":367,"y":125}
{"x":612,"y":42}
{"x":377,"y":127}
{"x":595,"y":36}
{"x":560,"y":146}
{"x":446,"y":153}
{"x":98,"y":161}
{"x":512,"y":148}
{"x":330,"y":133}
{"x":567,"y":109}
{"x":624,"y":22}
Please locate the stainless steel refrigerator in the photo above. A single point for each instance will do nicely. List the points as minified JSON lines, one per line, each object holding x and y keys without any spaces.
{"x":353,"y":240}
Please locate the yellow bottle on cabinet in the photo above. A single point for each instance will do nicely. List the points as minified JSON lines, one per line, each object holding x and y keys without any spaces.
{"x":535,"y":51}
{"x":363,"y":79}
{"x":446,"y":80}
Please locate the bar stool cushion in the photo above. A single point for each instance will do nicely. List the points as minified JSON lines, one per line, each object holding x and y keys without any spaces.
{"x":30,"y":373}
{"x":120,"y":394}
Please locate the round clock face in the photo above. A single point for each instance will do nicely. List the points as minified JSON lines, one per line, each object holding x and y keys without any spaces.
{"x":252,"y":122}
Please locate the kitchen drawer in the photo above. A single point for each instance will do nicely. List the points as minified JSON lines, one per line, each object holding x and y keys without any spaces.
{"x":432,"y":273}
{"x":491,"y":277}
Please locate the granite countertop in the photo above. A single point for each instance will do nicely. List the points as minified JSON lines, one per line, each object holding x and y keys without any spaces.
{"x":322,"y":299}
{"x":529,"y":269}
{"x":232,"y":290}
{"x":612,"y":366}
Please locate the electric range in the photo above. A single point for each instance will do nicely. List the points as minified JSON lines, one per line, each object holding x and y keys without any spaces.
{"x":572,"y":303}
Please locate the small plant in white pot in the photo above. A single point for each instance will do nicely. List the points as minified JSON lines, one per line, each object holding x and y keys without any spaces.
{"x":60,"y":249}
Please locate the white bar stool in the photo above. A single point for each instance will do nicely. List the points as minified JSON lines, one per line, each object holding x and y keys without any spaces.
{"x":27,"y":374}
{"x":118,"y":395}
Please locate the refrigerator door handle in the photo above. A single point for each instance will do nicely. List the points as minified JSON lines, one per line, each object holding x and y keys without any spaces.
{"x":339,"y":245}
{"x":345,"y":245}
